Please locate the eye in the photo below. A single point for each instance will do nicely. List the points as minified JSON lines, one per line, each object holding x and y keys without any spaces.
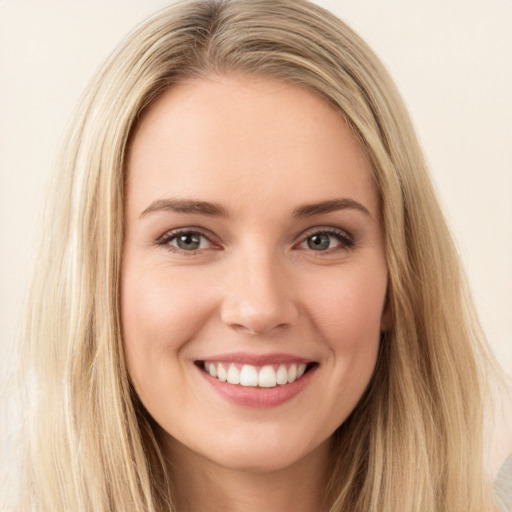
{"x":325,"y":240}
{"x":185,"y":241}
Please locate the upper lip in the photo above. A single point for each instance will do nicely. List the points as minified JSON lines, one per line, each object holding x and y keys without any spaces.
{"x":256,"y":359}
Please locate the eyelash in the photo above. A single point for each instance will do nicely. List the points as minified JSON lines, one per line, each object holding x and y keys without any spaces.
{"x":167,"y":238}
{"x":345,"y":240}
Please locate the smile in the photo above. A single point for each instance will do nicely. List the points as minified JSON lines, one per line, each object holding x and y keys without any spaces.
{"x":257,"y":381}
{"x":267,"y":376}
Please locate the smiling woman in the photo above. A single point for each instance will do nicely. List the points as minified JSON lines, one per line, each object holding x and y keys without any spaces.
{"x":252,"y":301}
{"x":270,"y":287}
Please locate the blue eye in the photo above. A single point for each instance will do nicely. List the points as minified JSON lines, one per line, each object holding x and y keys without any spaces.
{"x":322,"y":241}
{"x":319,"y":242}
{"x":187,"y":241}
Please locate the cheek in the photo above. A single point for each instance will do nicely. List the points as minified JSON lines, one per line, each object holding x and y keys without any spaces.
{"x":347,"y":311}
{"x":160,"y":313}
{"x":350,"y":304}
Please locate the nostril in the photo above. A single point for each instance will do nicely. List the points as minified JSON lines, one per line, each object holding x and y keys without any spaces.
{"x":259,"y":309}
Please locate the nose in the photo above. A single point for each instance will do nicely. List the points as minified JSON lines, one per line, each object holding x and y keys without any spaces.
{"x":258,"y":296}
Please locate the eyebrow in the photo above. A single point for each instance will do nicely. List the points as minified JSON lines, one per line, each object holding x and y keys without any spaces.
{"x":185,"y":206}
{"x":216,"y":210}
{"x":332,"y":205}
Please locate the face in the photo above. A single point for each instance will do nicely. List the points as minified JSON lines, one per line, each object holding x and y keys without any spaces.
{"x":254,"y":276}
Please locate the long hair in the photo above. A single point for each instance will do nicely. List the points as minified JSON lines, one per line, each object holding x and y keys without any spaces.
{"x":415,"y":440}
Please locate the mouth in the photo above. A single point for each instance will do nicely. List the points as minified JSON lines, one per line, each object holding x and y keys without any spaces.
{"x":256,"y":376}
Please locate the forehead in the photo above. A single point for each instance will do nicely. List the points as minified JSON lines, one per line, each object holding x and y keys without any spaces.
{"x":228,"y":138}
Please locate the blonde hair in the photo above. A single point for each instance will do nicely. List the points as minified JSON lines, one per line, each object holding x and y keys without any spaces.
{"x":414,"y":442}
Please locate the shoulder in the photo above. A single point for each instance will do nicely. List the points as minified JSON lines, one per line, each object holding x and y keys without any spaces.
{"x":503,"y":486}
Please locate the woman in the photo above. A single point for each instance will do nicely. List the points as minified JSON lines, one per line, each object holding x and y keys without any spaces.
{"x":252,"y":300}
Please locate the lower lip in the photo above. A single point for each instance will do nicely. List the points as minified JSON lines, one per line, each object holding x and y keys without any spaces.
{"x":248,"y":396}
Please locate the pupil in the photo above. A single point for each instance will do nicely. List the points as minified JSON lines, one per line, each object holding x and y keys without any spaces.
{"x":189,"y":242}
{"x":319,"y":242}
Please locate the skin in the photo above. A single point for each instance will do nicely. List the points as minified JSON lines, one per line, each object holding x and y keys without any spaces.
{"x":260,"y":149}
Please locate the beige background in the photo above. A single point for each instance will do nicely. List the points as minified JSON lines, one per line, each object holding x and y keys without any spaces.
{"x":452,"y":60}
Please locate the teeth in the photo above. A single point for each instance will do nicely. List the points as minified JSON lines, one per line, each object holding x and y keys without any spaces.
{"x":213,"y":370}
{"x":233,"y":375}
{"x":222,"y":375}
{"x":248,"y":375}
{"x":292,"y":373}
{"x":282,"y":375}
{"x":267,"y":377}
{"x":252,"y":376}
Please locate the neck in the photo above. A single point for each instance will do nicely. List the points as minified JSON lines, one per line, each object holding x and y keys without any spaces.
{"x":200,"y":484}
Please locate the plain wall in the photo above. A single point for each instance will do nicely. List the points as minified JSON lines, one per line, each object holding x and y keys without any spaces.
{"x":452,"y":60}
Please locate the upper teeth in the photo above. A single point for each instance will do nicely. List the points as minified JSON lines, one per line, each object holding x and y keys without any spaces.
{"x":267,"y":376}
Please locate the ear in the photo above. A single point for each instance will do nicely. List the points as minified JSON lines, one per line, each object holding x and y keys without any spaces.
{"x":386,"y":319}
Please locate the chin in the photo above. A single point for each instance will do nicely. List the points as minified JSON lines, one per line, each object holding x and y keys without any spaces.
{"x":261,"y":451}
{"x":266,"y":459}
